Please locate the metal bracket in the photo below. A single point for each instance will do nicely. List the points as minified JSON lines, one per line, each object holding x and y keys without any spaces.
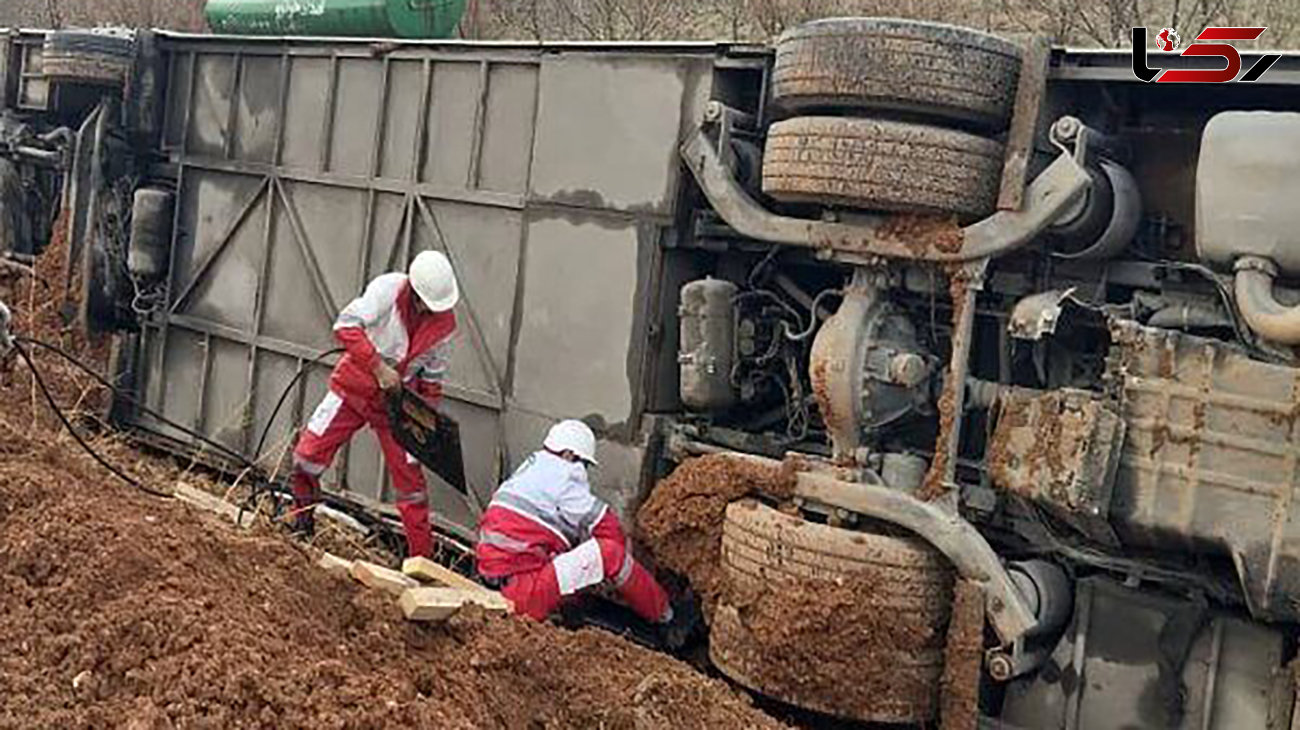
{"x":1048,"y":197}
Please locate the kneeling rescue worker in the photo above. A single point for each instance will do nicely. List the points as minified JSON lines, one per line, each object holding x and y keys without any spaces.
{"x":396,"y":333}
{"x":546,"y":537}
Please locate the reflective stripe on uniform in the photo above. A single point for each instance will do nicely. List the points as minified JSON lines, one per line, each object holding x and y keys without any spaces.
{"x":324,"y":414}
{"x":308,"y":467}
{"x":625,"y":571}
{"x":525,"y":508}
{"x":581,"y":567}
{"x":420,"y":497}
{"x":505,"y":542}
{"x":589,"y":520}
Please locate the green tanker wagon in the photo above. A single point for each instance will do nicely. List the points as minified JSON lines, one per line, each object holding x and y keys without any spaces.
{"x":342,"y":18}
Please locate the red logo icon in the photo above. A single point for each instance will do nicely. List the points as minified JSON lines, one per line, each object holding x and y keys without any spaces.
{"x":1167,"y":40}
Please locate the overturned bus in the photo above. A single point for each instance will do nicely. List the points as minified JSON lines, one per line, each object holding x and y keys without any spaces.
{"x":1021,"y":319}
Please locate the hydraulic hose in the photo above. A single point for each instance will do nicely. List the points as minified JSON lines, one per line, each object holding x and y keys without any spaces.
{"x":1264,"y":314}
{"x":76,"y":436}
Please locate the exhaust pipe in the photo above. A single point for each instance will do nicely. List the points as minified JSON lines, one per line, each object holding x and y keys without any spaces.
{"x":1265,"y":316}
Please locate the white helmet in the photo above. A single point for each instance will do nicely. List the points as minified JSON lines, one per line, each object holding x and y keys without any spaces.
{"x":435,"y":282}
{"x":573,"y":436}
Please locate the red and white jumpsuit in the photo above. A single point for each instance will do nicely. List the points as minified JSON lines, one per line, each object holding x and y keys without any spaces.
{"x":381,"y":323}
{"x":545,"y":536}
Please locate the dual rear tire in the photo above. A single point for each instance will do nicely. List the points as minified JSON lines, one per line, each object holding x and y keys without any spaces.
{"x":890,"y":115}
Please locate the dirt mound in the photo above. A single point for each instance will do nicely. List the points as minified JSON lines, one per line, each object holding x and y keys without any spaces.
{"x":122,"y":610}
{"x":681,"y":522}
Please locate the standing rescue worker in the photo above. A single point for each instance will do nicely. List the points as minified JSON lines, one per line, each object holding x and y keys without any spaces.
{"x":546,"y":537}
{"x":397,"y":333}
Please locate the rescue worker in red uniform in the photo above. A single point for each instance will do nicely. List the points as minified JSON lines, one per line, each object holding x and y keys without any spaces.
{"x":396,"y":334}
{"x":545,"y":536}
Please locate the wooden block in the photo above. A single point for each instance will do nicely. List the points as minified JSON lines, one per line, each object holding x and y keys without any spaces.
{"x":381,"y":578}
{"x":426,"y":570}
{"x":438,"y":604}
{"x":334,"y":564}
{"x":211,"y":503}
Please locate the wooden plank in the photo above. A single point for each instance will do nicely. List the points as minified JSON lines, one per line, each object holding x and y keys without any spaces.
{"x":200,"y":499}
{"x":439,"y":604}
{"x":381,"y":578}
{"x":334,"y":564}
{"x":426,"y":570}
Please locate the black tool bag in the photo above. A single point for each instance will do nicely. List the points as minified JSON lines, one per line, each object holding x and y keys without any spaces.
{"x":433,"y":438}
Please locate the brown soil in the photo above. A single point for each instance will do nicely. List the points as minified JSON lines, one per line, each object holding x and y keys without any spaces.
{"x":830,"y":647}
{"x":123,"y":610}
{"x":681,"y":523}
{"x":963,"y":657}
{"x":119,"y":609}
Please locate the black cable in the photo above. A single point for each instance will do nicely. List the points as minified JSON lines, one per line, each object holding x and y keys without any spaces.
{"x":222,"y":448}
{"x":266,"y":430}
{"x":54,"y":406}
{"x":265,"y":486}
{"x":70,"y":358}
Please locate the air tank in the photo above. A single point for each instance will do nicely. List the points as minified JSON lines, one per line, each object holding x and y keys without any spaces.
{"x":707,"y":350}
{"x":151,"y":229}
{"x":344,"y":18}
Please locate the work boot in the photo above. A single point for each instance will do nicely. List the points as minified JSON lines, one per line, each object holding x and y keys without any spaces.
{"x":306,"y":493}
{"x":680,"y":628}
{"x":303,"y":522}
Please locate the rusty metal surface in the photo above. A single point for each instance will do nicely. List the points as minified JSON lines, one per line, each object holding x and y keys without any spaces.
{"x":1211,"y":459}
{"x":1030,"y":92}
{"x":1061,"y":450}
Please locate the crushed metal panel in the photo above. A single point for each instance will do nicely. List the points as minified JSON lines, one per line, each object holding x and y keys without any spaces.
{"x":509,"y":111}
{"x":209,"y":113}
{"x":1061,"y":450}
{"x":1212,"y":457}
{"x":222,"y":241}
{"x":578,"y":319}
{"x":257,"y":111}
{"x":608,"y":129}
{"x":452,"y":113}
{"x":306,"y":101}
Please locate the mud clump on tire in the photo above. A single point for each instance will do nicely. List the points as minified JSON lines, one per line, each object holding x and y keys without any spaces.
{"x":681,"y":523}
{"x":963,"y":658}
{"x":829,"y":647}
